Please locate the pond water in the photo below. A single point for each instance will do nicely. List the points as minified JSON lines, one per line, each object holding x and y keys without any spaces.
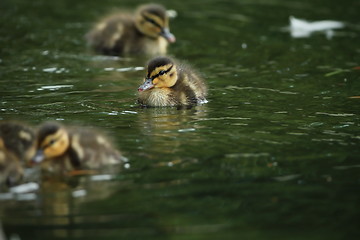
{"x":273,"y":155}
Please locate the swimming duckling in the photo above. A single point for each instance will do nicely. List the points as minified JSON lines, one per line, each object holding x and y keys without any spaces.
{"x":16,"y":146}
{"x":145,"y":32}
{"x":169,"y":83}
{"x":19,"y":139}
{"x":11,"y":171}
{"x":63,"y":149}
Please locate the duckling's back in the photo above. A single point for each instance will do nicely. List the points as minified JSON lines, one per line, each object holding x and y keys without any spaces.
{"x":191,"y":85}
{"x":18,"y":139}
{"x":112,"y":34}
{"x":91,"y":150}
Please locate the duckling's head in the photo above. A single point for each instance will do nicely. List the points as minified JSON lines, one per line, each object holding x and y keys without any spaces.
{"x":152,"y":20}
{"x":52,"y":141}
{"x":161,"y":73}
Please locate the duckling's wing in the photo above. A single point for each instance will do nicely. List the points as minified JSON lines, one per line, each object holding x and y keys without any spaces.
{"x":201,"y":87}
{"x":194,"y":84}
{"x":106,"y":34}
{"x":93,"y":149}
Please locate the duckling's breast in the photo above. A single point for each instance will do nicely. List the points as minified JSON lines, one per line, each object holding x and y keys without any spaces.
{"x":145,"y":45}
{"x":157,"y":97}
{"x":156,"y":46}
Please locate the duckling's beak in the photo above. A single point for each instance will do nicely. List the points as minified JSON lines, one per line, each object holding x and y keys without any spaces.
{"x":148,"y":84}
{"x":165,"y":32}
{"x":39,"y":156}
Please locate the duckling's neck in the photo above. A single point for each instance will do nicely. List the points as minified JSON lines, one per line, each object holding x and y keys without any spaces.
{"x":74,"y":158}
{"x":180,"y":78}
{"x":74,"y":150}
{"x":139,"y":33}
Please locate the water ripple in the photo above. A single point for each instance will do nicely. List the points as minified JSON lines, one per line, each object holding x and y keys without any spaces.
{"x":54,"y":87}
{"x":125,"y":69}
{"x":336,"y":114}
{"x":287,"y":177}
{"x":247,"y":155}
{"x":346,"y":167}
{"x":55,"y":70}
{"x":221,"y":118}
{"x":261,"y":89}
{"x":330,"y":140}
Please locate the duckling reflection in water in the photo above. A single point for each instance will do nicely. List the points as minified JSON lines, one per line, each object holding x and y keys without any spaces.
{"x":146,"y":32}
{"x":73,"y":150}
{"x":171,"y":83}
{"x":16,"y":147}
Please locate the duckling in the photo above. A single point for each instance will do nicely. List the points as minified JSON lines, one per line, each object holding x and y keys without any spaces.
{"x":16,"y":147}
{"x":65,"y":150}
{"x":19,"y":139}
{"x":169,"y":83}
{"x":146,"y":32}
{"x":11,"y":171}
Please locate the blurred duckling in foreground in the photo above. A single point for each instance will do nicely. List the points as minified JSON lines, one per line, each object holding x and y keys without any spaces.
{"x":16,"y":147}
{"x":73,"y":150}
{"x":145,"y":32}
{"x":11,"y":170}
{"x":18,"y":138}
{"x":170,"y":83}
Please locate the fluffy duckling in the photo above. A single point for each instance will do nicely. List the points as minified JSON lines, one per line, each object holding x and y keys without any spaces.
{"x":63,"y":149}
{"x":145,"y":32}
{"x":11,"y":171}
{"x":169,"y":83}
{"x":19,"y":139}
{"x":16,"y":146}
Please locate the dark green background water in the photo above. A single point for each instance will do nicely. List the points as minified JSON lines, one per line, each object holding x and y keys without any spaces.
{"x":273,"y":155}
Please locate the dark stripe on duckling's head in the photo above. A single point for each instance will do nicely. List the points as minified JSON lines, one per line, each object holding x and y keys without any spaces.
{"x":155,"y":9}
{"x":47,"y":129}
{"x":161,"y":72}
{"x":158,"y":62}
{"x":152,"y":21}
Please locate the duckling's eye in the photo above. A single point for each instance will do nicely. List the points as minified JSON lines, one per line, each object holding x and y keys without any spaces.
{"x":52,"y":141}
{"x":152,"y":21}
{"x":162,"y":72}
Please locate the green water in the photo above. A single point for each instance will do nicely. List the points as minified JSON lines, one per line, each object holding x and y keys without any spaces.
{"x":273,"y":155}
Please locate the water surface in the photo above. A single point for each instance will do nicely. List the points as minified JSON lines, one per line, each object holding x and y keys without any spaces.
{"x":274,"y":154}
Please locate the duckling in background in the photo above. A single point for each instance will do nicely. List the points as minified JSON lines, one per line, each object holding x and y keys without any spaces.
{"x":145,"y":32}
{"x":70,"y":150}
{"x":169,"y":83}
{"x":16,"y":147}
